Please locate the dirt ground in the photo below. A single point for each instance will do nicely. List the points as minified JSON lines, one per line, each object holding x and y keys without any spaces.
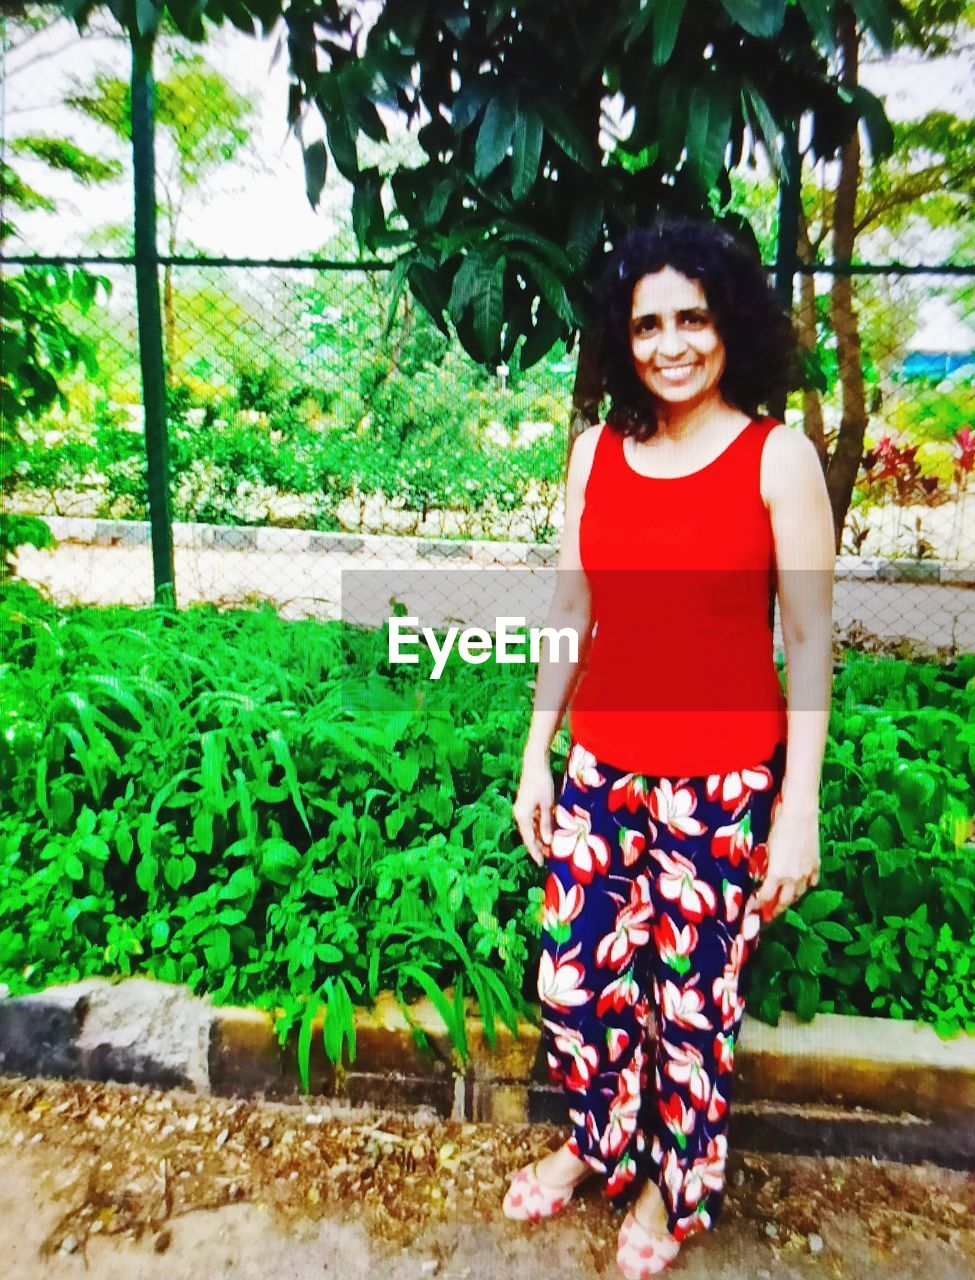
{"x":113,"y":1181}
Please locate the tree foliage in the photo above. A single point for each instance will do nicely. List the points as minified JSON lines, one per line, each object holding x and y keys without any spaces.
{"x":501,"y":226}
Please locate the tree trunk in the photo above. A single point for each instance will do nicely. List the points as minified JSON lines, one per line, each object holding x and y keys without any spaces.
{"x":812,"y":407}
{"x":845,"y":461}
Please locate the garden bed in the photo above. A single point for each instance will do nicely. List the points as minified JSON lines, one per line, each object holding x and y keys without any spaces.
{"x":270,"y":813}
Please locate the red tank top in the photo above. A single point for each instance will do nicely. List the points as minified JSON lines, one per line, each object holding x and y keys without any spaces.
{"x":680,"y":678}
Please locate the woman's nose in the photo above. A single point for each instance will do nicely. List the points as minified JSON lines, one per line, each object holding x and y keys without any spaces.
{"x":671,"y":340}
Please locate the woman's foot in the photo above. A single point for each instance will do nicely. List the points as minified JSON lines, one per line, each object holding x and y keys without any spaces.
{"x":646,"y":1246}
{"x":545,"y":1186}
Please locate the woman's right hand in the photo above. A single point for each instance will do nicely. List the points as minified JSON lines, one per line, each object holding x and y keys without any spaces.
{"x":532,"y":809}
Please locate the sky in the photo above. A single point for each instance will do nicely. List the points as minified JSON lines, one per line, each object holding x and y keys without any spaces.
{"x":256,"y":206}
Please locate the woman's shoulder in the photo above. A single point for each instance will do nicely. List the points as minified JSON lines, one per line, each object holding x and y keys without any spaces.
{"x":788,"y":459}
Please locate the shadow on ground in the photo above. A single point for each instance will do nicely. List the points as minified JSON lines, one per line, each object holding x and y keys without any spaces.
{"x":113,"y":1181}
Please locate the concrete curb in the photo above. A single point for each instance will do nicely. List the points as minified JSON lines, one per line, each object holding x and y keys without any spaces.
{"x":836,"y":1086}
{"x":135,"y":533}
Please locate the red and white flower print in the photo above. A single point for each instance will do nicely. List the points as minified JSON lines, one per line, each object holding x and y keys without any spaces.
{"x":758,"y":861}
{"x":673,"y":1176}
{"x":559,"y":981}
{"x":617,"y":1042}
{"x":622,"y":1175}
{"x":674,"y":808}
{"x":621,"y":994}
{"x":678,"y":882}
{"x":631,"y":930}
{"x":623,"y":1111}
{"x":582,"y":768}
{"x":686,"y":1066}
{"x":733,"y":841}
{"x":734,"y":789}
{"x":573,"y":841}
{"x":717,"y":1106}
{"x":724,"y":1051}
{"x":726,"y":997}
{"x":583,"y":1057}
{"x":560,"y":908}
{"x":632,"y":844}
{"x":699,"y":1220}
{"x":628,"y":792}
{"x":674,"y":946}
{"x":751,"y":921}
{"x":683,"y":1005}
{"x":733,"y":897}
{"x":707,"y":1172}
{"x":680,"y":1120}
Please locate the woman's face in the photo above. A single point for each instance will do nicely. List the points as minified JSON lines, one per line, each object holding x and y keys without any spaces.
{"x":677,"y":351}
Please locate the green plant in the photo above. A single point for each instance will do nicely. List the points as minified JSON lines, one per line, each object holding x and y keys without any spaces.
{"x":273,"y":813}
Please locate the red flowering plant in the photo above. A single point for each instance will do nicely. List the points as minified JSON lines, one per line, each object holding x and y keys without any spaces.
{"x":965,"y":457}
{"x":892,"y":469}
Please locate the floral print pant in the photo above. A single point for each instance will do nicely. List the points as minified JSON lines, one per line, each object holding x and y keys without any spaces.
{"x":649,"y":923}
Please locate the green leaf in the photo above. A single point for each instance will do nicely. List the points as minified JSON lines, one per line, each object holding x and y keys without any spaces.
{"x":495,"y":134}
{"x":667,"y":15}
{"x":526,"y":152}
{"x":563,"y":129}
{"x":871,"y":110}
{"x":279,"y":859}
{"x":833,"y":931}
{"x":708,"y":128}
{"x":316,"y":169}
{"x":304,"y":1043}
{"x":146,"y":16}
{"x":585,"y":226}
{"x":819,"y":15}
{"x":819,"y":903}
{"x":341,"y":142}
{"x":762,"y":18}
{"x":877,"y":16}
{"x":755,"y":106}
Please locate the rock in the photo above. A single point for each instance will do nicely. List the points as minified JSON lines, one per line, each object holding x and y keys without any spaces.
{"x":815,"y":1243}
{"x":772,"y":1230}
{"x":69,"y":1244}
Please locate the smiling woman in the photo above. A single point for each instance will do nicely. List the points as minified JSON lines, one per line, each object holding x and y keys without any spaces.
{"x":678,"y":828}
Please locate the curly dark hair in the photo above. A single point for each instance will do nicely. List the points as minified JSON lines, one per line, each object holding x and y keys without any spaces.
{"x":758,"y":336}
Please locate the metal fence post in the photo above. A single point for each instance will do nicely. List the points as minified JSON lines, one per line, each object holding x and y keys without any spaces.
{"x":150,"y":321}
{"x":786,"y":250}
{"x":785,"y":261}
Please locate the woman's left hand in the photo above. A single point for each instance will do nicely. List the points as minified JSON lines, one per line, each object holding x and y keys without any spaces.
{"x":793,"y":859}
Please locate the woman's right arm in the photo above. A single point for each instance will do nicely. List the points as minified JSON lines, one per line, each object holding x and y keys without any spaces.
{"x":570,"y":608}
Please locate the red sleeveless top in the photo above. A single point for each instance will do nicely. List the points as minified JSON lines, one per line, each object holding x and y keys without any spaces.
{"x":680,"y":678}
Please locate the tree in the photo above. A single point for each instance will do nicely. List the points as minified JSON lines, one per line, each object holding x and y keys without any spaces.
{"x":504,"y":224}
{"x":38,"y":347}
{"x":929,"y":170}
{"x":204,"y":122}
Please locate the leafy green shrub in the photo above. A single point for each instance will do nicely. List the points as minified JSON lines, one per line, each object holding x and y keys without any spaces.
{"x":270,"y":812}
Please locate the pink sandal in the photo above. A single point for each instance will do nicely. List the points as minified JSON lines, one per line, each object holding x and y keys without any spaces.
{"x":528,"y":1199}
{"x":643,"y":1253}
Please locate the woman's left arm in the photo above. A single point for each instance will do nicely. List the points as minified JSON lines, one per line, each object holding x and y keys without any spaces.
{"x":802,"y":529}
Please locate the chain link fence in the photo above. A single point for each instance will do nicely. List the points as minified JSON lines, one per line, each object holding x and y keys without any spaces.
{"x":304,"y":440}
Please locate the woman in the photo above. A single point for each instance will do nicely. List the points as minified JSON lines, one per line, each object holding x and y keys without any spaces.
{"x":684,"y":512}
